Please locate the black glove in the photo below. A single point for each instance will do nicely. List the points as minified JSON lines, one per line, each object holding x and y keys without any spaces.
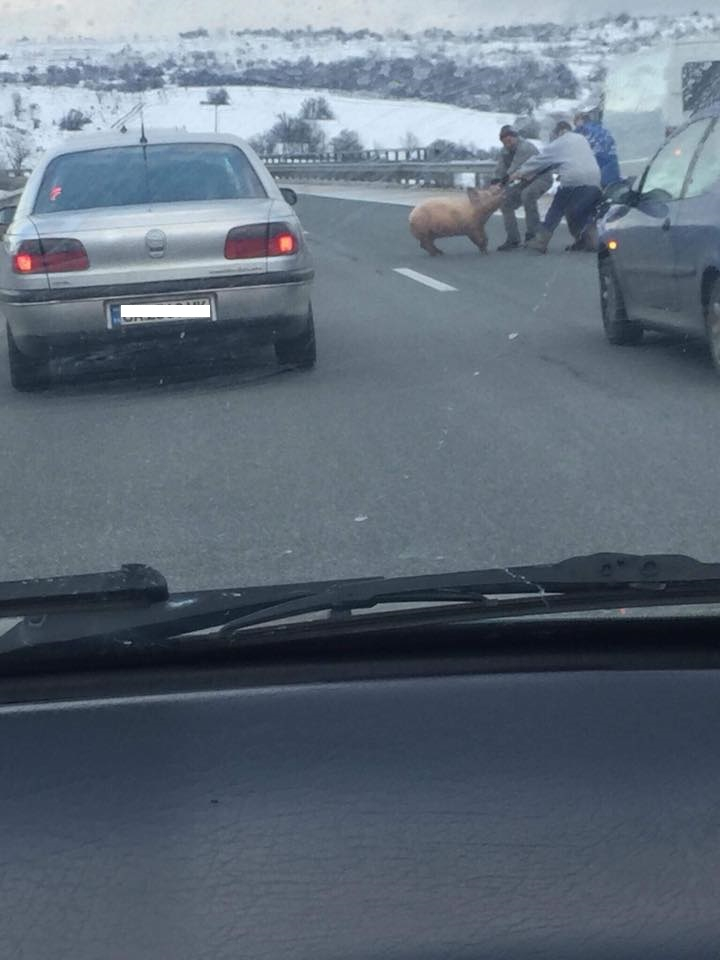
{"x":495,"y":181}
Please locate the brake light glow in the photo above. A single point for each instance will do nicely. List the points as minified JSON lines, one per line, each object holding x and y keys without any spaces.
{"x":260,"y":240}
{"x":23,"y":263}
{"x":282,"y":244}
{"x":56,"y":255}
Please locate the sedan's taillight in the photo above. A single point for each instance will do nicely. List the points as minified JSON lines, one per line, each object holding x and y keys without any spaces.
{"x":260,"y":240}
{"x":282,"y":241}
{"x":244,"y":243}
{"x":50,"y":256}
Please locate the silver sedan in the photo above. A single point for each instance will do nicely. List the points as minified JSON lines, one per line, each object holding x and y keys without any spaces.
{"x":154,"y":236}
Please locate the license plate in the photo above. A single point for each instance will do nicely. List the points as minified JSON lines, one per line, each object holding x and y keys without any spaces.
{"x":160,"y":311}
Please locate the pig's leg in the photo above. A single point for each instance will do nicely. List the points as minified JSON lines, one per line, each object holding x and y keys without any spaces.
{"x":479,"y":238}
{"x":428,"y":244}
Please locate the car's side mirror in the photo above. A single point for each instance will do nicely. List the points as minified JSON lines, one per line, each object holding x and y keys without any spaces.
{"x":657,"y":195}
{"x":621,"y":193}
{"x":289,"y":195}
{"x":654,"y":203}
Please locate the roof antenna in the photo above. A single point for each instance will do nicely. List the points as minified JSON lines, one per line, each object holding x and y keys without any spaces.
{"x":143,"y":138}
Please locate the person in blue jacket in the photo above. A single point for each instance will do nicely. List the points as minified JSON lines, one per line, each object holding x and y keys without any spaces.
{"x":603,"y":146}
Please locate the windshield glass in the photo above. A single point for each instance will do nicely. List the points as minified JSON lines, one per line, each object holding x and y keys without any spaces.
{"x":167,"y":173}
{"x":340,"y":291}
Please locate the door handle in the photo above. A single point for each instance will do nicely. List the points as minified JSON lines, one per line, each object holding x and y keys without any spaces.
{"x":666,"y":223}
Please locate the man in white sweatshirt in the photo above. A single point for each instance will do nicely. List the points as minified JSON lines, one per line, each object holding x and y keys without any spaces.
{"x":576,"y":199}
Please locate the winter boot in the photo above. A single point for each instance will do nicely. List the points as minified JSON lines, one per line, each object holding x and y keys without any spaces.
{"x":591,"y":239}
{"x":540,"y":242}
{"x":577,"y":246}
{"x":509,"y":245}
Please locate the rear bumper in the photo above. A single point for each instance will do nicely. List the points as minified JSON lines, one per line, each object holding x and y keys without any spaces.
{"x":260,"y":313}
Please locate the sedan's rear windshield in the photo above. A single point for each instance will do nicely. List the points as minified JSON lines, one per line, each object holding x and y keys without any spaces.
{"x":159,"y":173}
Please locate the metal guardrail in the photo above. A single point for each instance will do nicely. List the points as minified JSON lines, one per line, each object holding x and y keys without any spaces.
{"x":427,"y":172}
{"x":9,"y":197}
{"x":394,"y":155}
{"x":10,"y":181}
{"x":440,"y":173}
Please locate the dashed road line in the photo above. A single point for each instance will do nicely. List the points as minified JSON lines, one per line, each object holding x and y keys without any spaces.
{"x":422,"y":278}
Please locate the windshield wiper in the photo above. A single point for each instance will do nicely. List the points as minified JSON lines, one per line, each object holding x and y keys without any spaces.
{"x":599,"y":581}
{"x":135,"y":585}
{"x":587,"y":582}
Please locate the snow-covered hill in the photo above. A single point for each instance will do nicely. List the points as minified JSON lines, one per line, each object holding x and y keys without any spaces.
{"x":581,"y":43}
{"x":386,"y":88}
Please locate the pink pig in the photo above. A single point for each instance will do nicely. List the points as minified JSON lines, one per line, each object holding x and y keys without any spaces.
{"x":455,"y":217}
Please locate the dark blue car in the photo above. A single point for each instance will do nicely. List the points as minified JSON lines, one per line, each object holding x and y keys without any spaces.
{"x":659,"y":255}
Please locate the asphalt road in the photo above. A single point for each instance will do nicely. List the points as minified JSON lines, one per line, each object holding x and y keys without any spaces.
{"x":441,"y":430}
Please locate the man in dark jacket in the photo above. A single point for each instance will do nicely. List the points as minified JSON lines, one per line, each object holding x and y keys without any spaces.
{"x":516,"y":151}
{"x":603,"y":146}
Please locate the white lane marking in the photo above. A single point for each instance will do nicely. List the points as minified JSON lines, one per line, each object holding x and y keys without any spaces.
{"x":428,"y":281}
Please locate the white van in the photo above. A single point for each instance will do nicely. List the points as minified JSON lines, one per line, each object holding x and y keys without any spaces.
{"x":648,"y":94}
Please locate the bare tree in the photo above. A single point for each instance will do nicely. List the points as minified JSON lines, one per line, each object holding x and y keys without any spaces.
{"x":17,"y":105}
{"x":17,"y":149}
{"x":316,"y":108}
{"x":410,"y":141}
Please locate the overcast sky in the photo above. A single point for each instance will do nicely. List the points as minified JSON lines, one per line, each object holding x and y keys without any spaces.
{"x":103,"y":17}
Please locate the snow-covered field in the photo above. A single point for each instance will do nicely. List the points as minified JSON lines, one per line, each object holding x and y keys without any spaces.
{"x":32,"y":111}
{"x":379,"y":123}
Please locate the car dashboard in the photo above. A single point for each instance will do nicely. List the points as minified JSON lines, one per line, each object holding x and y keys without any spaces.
{"x":437,"y":790}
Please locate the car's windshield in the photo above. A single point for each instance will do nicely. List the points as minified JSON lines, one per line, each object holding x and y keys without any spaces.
{"x":158,"y":173}
{"x":297,"y":293}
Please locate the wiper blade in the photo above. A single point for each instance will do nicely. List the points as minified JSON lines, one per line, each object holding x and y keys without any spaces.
{"x":135,"y":585}
{"x":619,"y":578}
{"x":599,"y":581}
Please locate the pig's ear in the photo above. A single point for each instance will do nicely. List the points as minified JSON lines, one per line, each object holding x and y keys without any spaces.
{"x":473,"y":193}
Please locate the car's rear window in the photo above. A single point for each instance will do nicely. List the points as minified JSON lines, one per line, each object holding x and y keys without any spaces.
{"x":159,"y":173}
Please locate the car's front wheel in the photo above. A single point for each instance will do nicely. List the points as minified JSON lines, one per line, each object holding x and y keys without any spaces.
{"x":619,"y":328}
{"x":298,"y":351}
{"x":712,"y":322}
{"x":26,"y":373}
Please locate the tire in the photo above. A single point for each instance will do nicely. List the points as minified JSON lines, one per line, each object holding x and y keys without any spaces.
{"x":619,"y":329}
{"x":26,"y":373}
{"x":299,"y":351}
{"x":712,"y":322}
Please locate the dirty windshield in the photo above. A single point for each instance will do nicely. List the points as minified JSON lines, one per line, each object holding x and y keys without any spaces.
{"x":351,"y":290}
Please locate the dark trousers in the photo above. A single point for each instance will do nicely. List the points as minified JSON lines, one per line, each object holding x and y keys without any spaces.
{"x":577,"y":205}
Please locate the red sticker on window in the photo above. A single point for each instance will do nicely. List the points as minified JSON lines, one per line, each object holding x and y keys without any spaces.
{"x":55,"y":193}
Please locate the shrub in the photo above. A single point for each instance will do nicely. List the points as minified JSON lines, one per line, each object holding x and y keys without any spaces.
{"x":74,"y":120}
{"x":347,"y":141}
{"x":219,"y":96}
